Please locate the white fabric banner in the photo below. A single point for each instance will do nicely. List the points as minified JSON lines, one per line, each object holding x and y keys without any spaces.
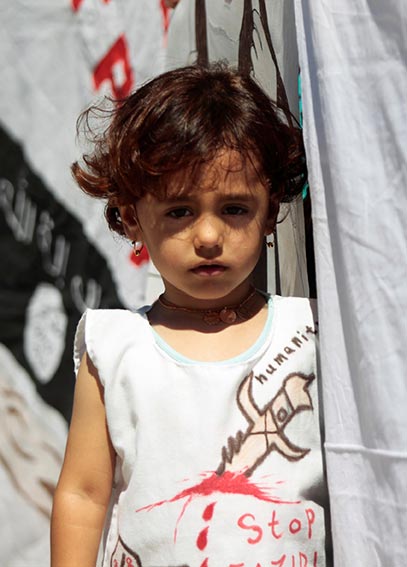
{"x":58,"y":256}
{"x":353,"y":65}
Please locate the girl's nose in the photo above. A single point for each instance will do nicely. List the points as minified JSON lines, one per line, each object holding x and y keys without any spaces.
{"x":208,"y":233}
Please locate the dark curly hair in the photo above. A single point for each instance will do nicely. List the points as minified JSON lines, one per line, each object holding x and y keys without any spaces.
{"x":176,"y":123}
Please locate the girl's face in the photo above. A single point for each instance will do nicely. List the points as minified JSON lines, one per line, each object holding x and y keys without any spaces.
{"x":206,"y":240}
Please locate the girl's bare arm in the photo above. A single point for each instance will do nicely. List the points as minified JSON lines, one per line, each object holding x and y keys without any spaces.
{"x":84,"y":488}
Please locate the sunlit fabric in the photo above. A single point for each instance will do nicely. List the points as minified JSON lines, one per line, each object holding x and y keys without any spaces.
{"x":353,"y":65}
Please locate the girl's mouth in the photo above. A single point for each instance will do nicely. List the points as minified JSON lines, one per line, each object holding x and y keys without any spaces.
{"x":208,"y":270}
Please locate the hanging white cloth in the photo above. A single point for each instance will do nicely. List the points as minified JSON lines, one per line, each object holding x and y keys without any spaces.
{"x":353,"y":58}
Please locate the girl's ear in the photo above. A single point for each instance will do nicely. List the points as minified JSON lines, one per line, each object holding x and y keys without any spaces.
{"x":131,"y":226}
{"x":270,"y":226}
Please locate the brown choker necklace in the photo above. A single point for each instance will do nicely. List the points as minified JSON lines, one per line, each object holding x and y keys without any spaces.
{"x":228,"y":315}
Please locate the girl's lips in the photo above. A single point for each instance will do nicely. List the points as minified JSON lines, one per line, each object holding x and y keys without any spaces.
{"x":209,"y":270}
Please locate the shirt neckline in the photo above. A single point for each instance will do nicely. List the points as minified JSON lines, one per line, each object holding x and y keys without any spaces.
{"x":164,"y":347}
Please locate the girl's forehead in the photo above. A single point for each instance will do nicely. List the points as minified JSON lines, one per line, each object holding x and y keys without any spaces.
{"x":229,"y":170}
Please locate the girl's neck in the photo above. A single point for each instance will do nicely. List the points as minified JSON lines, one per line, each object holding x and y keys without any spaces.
{"x":214,"y":317}
{"x":214,"y":300}
{"x":187,"y":333}
{"x":228,"y":314}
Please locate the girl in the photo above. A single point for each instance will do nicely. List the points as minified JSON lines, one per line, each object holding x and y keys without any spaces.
{"x":195,"y":436}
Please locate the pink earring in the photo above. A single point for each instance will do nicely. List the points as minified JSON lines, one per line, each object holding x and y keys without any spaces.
{"x":137,"y":247}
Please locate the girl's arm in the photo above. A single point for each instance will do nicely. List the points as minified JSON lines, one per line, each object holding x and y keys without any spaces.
{"x":83,"y":491}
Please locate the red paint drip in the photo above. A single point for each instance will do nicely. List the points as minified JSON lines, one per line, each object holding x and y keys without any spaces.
{"x":165,"y":15}
{"x":76,"y":5}
{"x":208,"y":512}
{"x":202,"y":539}
{"x":184,"y":507}
{"x":141,"y":259}
{"x":205,"y":563}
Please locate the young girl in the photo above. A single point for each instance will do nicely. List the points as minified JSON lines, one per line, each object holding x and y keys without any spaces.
{"x":195,"y":437}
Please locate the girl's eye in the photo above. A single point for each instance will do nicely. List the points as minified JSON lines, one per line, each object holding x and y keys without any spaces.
{"x":235,"y":210}
{"x":179,"y":213}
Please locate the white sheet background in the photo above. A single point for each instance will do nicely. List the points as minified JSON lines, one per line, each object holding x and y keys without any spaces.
{"x":353,"y":56}
{"x":49,"y":51}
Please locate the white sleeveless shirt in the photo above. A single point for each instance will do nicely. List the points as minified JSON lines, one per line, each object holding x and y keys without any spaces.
{"x":219,"y":464}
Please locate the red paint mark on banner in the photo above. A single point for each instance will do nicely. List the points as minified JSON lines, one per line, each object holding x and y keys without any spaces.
{"x":141,"y":259}
{"x":76,"y":4}
{"x":115,"y":68}
{"x":166,"y":16}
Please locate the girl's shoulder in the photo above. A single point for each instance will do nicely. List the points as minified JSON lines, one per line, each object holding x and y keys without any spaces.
{"x":113,"y":316}
{"x":105,"y":333}
{"x":297,"y":306}
{"x":293,"y":314}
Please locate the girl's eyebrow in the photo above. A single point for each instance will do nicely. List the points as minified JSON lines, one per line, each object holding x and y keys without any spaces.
{"x":247,"y":196}
{"x":182,"y":197}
